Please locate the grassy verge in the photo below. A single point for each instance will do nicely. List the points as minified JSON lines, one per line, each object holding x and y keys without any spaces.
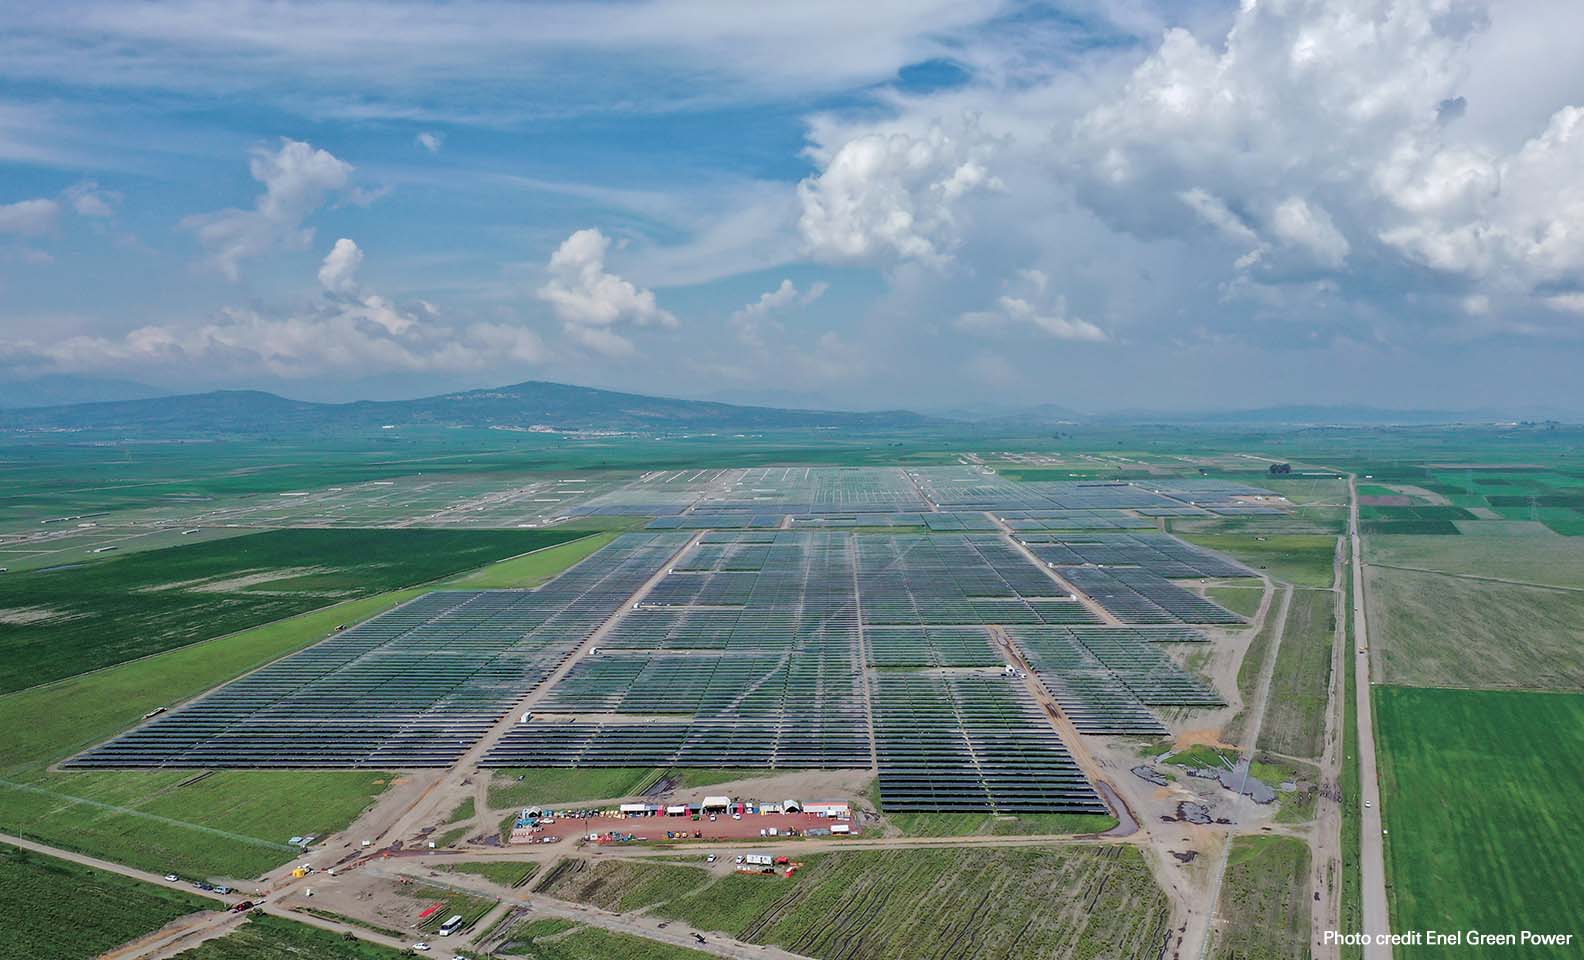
{"x":1243,"y":601}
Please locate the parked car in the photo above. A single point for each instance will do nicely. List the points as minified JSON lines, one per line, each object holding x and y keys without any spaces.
{"x":172,"y":878}
{"x":422,"y":946}
{"x":244,"y":906}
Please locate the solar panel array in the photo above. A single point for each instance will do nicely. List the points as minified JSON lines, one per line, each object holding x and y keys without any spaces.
{"x":1138,"y":596}
{"x":751,"y":637}
{"x":957,"y":579}
{"x":968,"y":743}
{"x":753,"y":647}
{"x":1106,"y":678}
{"x":415,"y":687}
{"x":1159,"y":553}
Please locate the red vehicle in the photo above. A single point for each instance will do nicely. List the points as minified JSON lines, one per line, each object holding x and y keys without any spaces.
{"x":244,"y":906}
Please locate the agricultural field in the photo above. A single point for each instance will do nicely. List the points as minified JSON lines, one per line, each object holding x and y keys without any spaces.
{"x":1510,"y":550}
{"x":565,"y":940}
{"x":45,"y":899}
{"x":272,"y":938}
{"x":1265,"y":901}
{"x":1300,"y":691}
{"x":59,"y":622}
{"x":1438,"y":630}
{"x":1480,"y":796}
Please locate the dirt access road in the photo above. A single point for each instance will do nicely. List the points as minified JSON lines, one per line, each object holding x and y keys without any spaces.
{"x":1372,"y":855}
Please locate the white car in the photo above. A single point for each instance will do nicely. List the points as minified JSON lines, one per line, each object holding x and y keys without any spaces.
{"x":710,"y":858}
{"x":736,"y":816}
{"x":1368,"y":804}
{"x":172,"y":878}
{"x":421,"y":946}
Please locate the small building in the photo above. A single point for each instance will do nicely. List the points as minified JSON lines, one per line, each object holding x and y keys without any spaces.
{"x":791,"y":806}
{"x":829,"y":808}
{"x":677,"y":810}
{"x":639,"y":809}
{"x":716,"y":805}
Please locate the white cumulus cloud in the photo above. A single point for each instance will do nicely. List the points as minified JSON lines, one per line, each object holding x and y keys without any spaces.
{"x":894,"y":193}
{"x":298,"y":179}
{"x":430,"y":141}
{"x":338,"y":273}
{"x":29,"y":217}
{"x":593,"y":303}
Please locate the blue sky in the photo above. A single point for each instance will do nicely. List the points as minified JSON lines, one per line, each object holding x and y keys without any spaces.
{"x":907,"y":204}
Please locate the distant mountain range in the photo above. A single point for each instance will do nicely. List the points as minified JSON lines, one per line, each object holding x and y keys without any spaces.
{"x":525,"y":406}
{"x":57,"y":389}
{"x":133,"y":409}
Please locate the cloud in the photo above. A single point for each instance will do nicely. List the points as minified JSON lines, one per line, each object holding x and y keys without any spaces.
{"x":591,"y":302}
{"x":298,"y":179}
{"x":89,"y":200}
{"x":337,"y":335}
{"x":1308,"y":227}
{"x":894,"y":194}
{"x":338,"y":273}
{"x":29,"y":217}
{"x":749,"y":320}
{"x":484,"y":57}
{"x":430,"y":141}
{"x":1032,"y":309}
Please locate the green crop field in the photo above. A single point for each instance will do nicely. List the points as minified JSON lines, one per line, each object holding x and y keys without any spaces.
{"x":1054,"y":902}
{"x":272,"y":938}
{"x":1480,"y":794}
{"x":56,"y":623}
{"x":564,"y":940}
{"x":1300,"y":689}
{"x":620,"y":885}
{"x":1439,"y":630}
{"x":58,"y":910}
{"x":1243,"y":601}
{"x":1518,"y":551}
{"x":534,"y":568}
{"x":1265,"y":901}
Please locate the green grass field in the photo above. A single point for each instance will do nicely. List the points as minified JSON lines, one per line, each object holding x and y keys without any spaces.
{"x":550,"y":785}
{"x":1480,"y":794}
{"x":534,"y":568}
{"x":1303,"y":560}
{"x":58,"y":910}
{"x":1438,"y":630}
{"x":1243,"y":601}
{"x":1265,"y":901}
{"x":272,"y":938}
{"x":507,"y":873}
{"x":1300,"y":690}
{"x":57,"y":623}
